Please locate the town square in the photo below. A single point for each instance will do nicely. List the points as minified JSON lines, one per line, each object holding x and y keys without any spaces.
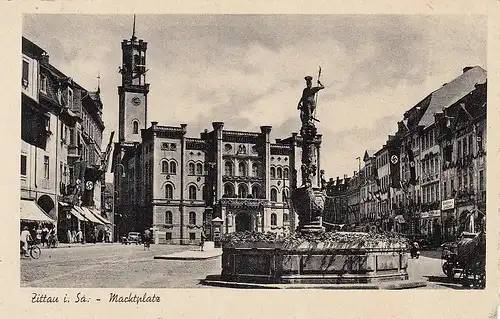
{"x":169,"y":151}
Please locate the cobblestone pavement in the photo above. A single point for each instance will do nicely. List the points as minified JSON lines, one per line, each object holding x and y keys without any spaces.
{"x":129,"y":266}
{"x":114,"y":266}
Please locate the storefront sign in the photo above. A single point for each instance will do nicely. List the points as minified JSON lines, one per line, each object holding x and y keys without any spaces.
{"x":435,"y":213}
{"x":424,"y":214}
{"x":448,"y":204}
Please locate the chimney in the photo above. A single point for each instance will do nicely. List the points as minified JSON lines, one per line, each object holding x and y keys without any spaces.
{"x":338,"y":179}
{"x":467,"y":68}
{"x":354,"y":173}
{"x":331,"y":180}
{"x":153,"y":124}
{"x":345,"y":176}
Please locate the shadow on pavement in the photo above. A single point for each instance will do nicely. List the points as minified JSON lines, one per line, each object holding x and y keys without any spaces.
{"x":452,"y":283}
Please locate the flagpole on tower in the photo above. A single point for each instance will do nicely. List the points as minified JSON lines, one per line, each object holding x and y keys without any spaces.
{"x":133,"y":29}
{"x":316,"y":102}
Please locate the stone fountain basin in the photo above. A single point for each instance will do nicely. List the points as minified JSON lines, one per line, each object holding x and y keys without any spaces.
{"x":313,"y":263}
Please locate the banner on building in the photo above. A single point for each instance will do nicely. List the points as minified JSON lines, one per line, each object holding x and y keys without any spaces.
{"x":411,"y":163}
{"x":393,"y":146}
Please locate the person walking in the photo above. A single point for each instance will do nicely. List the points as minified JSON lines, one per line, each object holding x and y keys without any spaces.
{"x":25,"y":238}
{"x":79,"y":236}
{"x":45,"y":233}
{"x":39,"y":235}
{"x":147,"y":239}
{"x":203,"y":238}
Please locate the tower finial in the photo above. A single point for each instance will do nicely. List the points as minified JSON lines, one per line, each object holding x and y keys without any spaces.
{"x":133,"y":29}
{"x":98,"y":82}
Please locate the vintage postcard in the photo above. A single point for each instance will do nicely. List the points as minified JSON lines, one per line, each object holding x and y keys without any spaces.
{"x":169,"y":158}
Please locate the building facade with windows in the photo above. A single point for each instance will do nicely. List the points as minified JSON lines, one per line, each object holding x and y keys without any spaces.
{"x":437,"y":180}
{"x":61,"y":132}
{"x":177,"y":184}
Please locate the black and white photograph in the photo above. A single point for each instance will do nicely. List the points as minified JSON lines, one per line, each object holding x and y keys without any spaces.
{"x":251,"y":151}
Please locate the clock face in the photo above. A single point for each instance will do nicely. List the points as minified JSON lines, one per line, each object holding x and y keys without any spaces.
{"x":136,"y":100}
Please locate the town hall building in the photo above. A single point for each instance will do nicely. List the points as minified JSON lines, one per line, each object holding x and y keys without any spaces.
{"x":177,"y":184}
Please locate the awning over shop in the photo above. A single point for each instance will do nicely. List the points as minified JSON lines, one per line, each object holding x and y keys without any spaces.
{"x":90,"y":216}
{"x":75,"y":213}
{"x":399,"y":219}
{"x":98,"y":215}
{"x":30,"y":211}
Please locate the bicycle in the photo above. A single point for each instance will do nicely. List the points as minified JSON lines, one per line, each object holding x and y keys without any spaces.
{"x":33,"y":250}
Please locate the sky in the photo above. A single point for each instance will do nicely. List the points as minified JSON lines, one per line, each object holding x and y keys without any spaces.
{"x":248,"y":70}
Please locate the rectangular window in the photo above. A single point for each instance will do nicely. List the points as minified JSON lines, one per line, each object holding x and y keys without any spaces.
{"x":192,"y":236}
{"x":424,"y":195}
{"x":480,"y":140}
{"x":459,"y":181}
{"x":445,"y":191}
{"x":459,"y":149}
{"x":23,"y":164}
{"x":26,"y":72}
{"x":481,"y":180}
{"x":72,"y":136}
{"x":464,"y":152}
{"x":43,"y":83}
{"x":471,"y":180}
{"x":70,"y":98}
{"x":437,"y":191}
{"x":470,"y":145}
{"x":46,"y":167}
{"x":61,"y":171}
{"x":168,"y":236}
{"x":452,"y":186}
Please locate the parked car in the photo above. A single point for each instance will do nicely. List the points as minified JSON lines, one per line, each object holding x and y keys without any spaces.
{"x":134,"y":237}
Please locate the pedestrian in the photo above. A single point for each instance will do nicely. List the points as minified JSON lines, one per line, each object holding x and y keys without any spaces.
{"x":68,"y":234}
{"x":25,"y":238}
{"x":45,"y":232}
{"x":52,"y":238}
{"x":39,"y":235}
{"x":73,"y":236}
{"x":79,"y":236}
{"x":203,"y":237}
{"x":147,"y":239}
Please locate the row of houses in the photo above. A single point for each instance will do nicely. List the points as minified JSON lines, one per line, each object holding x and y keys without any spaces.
{"x":61,"y":167}
{"x":429,"y":177}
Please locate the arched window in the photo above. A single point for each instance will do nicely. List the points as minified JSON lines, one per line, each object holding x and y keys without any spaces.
{"x":242,"y":191}
{"x":169,"y":191}
{"x":274,"y":219}
{"x":242,"y":169}
{"x":228,"y":168}
{"x":199,"y":169}
{"x":255,"y":169}
{"x":274,"y":195}
{"x":164,"y":167}
{"x":204,"y":193}
{"x":273,"y":172}
{"x":192,"y":192}
{"x":228,"y":190}
{"x":279,"y":173}
{"x":168,"y":217}
{"x":191,"y":168}
{"x":255,"y":191}
{"x":173,"y":167}
{"x":135,"y":124}
{"x":192,"y":218}
{"x":285,"y":173}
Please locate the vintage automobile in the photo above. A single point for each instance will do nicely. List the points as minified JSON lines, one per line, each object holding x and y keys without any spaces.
{"x":132,"y":238}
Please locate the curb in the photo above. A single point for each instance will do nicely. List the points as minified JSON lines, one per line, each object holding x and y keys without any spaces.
{"x":371,"y":286}
{"x":170,"y":257}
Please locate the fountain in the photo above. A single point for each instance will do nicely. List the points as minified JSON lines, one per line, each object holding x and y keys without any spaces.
{"x":311,"y":255}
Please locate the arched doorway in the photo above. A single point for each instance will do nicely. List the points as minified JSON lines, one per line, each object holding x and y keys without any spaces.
{"x":47,"y":204}
{"x":243,"y":222}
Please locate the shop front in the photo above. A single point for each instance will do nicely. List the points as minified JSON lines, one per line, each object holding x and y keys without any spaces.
{"x":430,"y":226}
{"x":449,"y":219}
{"x":33,"y":216}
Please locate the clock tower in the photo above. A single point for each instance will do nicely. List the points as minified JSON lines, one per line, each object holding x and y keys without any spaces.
{"x":133,"y":91}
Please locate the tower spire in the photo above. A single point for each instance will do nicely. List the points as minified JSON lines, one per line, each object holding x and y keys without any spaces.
{"x":98,"y":82}
{"x":133,"y":29}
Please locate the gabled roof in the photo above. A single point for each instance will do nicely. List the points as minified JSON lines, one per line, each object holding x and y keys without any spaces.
{"x":452,"y":92}
{"x":369,"y":154}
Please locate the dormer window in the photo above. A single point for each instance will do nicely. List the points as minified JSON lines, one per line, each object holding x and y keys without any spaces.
{"x":70,"y":98}
{"x":43,"y":83}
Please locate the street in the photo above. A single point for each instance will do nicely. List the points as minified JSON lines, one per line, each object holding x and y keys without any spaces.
{"x":129,"y":266}
{"x":114,"y":266}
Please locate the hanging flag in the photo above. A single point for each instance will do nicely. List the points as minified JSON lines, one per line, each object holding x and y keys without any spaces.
{"x":411,"y":162}
{"x":393,"y":145}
